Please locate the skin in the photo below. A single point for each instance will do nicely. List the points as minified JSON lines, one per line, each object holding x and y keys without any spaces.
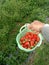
{"x":36,"y":26}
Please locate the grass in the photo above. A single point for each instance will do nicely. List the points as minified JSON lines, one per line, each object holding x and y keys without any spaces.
{"x":14,"y":14}
{"x":41,"y":56}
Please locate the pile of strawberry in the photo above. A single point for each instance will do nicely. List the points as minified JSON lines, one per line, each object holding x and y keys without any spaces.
{"x":29,"y":40}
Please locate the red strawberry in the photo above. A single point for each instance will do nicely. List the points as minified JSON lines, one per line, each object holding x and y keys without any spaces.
{"x":38,"y":39}
{"x":32,"y":43}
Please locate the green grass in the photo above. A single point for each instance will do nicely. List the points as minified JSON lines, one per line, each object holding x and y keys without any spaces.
{"x":42,"y":55}
{"x":14,"y":14}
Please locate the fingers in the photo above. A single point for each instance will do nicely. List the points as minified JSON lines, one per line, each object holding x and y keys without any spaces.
{"x":29,"y":26}
{"x":37,"y":32}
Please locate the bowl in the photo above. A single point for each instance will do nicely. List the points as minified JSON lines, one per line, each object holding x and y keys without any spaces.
{"x":22,"y":32}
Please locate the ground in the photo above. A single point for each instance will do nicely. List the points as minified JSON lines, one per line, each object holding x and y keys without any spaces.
{"x":14,"y":14}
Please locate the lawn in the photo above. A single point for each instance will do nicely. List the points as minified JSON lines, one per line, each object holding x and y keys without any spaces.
{"x":14,"y":14}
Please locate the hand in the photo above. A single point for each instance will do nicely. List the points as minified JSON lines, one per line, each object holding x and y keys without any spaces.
{"x":36,"y":26}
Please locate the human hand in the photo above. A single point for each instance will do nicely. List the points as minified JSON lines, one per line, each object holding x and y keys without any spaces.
{"x":36,"y":26}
